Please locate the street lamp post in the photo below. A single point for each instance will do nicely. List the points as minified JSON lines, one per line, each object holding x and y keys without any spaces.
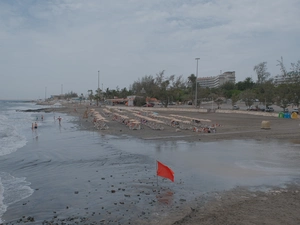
{"x":98,"y":85}
{"x":196,"y":92}
{"x":45,"y":93}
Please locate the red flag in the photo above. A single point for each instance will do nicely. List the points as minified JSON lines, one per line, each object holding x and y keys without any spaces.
{"x":164,"y":171}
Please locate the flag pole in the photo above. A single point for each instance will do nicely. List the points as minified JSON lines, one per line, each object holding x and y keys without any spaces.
{"x":156,"y":174}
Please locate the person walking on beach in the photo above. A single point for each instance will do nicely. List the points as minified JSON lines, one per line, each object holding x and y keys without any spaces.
{"x":35,"y":125}
{"x":59,"y":119}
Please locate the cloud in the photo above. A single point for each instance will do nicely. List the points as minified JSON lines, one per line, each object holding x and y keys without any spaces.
{"x":49,"y":43}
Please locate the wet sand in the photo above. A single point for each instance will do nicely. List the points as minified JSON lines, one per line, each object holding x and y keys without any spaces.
{"x":276,"y":205}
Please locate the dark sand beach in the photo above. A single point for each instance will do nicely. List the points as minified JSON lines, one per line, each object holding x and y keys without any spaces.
{"x":241,"y":174}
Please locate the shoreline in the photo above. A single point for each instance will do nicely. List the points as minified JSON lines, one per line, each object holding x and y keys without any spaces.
{"x":236,"y":206}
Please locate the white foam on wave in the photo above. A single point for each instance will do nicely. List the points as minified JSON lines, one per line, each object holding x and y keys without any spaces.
{"x":11,"y":144}
{"x":12,"y":190}
{"x":13,"y":128}
{"x":10,"y":140}
{"x":2,"y":206}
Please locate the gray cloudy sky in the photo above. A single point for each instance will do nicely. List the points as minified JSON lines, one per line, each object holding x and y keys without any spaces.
{"x":52,"y":43}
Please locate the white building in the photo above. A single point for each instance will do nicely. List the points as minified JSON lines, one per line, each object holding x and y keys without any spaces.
{"x":291,"y":77}
{"x":130,"y":100}
{"x":217,"y":81}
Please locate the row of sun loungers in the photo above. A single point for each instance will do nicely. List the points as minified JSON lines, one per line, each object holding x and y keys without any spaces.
{"x":99,"y":121}
{"x":155,"y":121}
{"x":131,"y":123}
{"x":107,"y":112}
{"x":152,"y":123}
{"x":135,"y":118}
{"x":187,"y":123}
{"x":173,"y":122}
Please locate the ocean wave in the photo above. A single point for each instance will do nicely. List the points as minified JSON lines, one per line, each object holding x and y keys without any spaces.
{"x":10,"y":140}
{"x":2,"y":206}
{"x":11,"y":144}
{"x":13,"y":190}
{"x":10,"y":127}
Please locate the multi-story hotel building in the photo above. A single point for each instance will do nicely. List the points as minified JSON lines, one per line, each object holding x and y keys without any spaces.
{"x":290,"y":78}
{"x":279,"y":79}
{"x":217,"y":81}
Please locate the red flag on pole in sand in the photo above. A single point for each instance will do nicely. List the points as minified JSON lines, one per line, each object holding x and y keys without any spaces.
{"x":164,"y":171}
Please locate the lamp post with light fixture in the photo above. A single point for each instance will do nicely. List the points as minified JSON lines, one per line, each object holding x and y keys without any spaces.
{"x":196,"y":92}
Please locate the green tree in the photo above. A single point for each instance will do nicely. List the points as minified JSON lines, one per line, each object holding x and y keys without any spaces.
{"x":284,"y":95}
{"x":227,"y":89}
{"x":295,"y":73}
{"x":235,"y":97}
{"x":248,"y":97}
{"x":91,"y":95}
{"x":218,"y":96}
{"x":139,"y":101}
{"x":266,"y":92}
{"x":262,"y":73}
{"x":71,"y":95}
{"x":81,"y":98}
{"x":176,"y":90}
{"x":289,"y":91}
{"x":246,"y":84}
{"x":124,"y":93}
{"x":162,"y":90}
{"x":192,"y":86}
{"x":204,"y":94}
{"x":219,"y":101}
{"x":146,"y":83}
{"x":282,"y":67}
{"x":295,"y":93}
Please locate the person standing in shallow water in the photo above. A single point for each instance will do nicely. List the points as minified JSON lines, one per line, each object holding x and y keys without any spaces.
{"x":59,"y":119}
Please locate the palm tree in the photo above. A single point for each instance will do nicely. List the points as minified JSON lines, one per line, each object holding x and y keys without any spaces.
{"x":81,"y":98}
{"x":192,"y":83}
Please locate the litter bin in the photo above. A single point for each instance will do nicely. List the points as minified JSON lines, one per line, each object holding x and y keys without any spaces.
{"x":294,"y":115}
{"x":280,"y":115}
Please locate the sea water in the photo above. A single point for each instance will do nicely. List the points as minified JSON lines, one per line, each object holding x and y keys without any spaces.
{"x":13,"y":128}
